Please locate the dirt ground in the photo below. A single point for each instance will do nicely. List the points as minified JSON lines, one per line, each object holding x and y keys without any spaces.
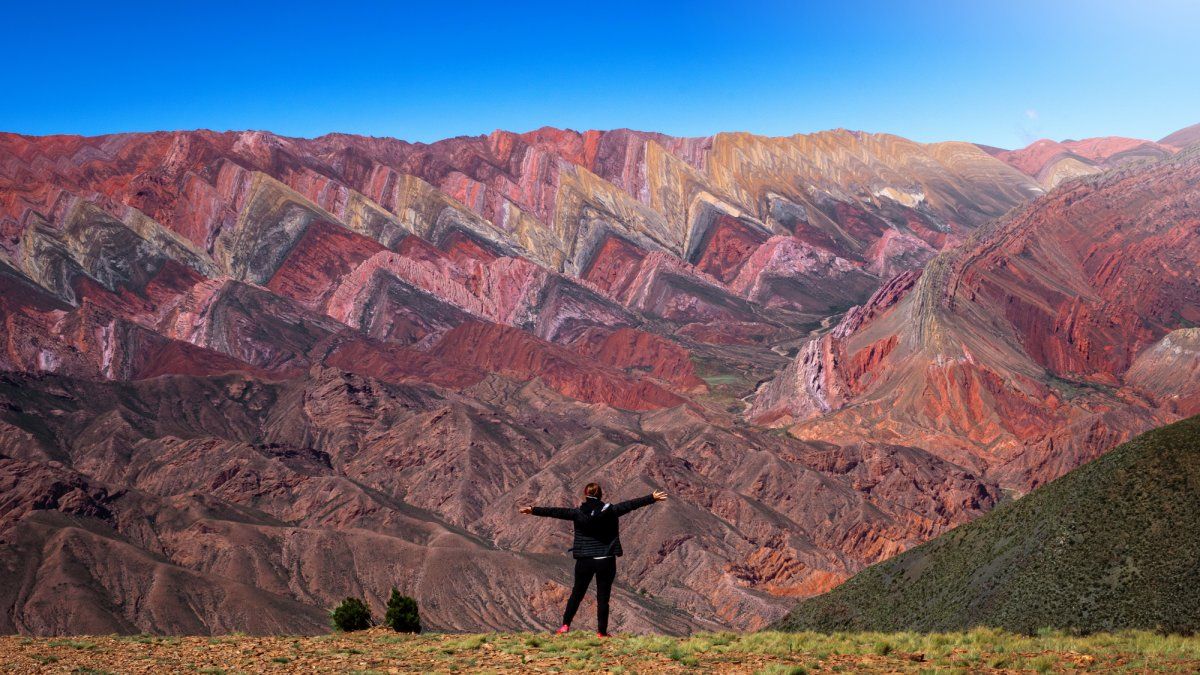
{"x":382,"y":651}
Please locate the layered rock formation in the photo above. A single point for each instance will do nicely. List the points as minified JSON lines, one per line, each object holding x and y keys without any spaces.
{"x":321,"y":367}
{"x":1052,"y":162}
{"x":1052,"y":333}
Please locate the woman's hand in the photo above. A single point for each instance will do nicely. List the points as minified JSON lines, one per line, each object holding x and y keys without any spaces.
{"x":659,"y":496}
{"x":527,"y":510}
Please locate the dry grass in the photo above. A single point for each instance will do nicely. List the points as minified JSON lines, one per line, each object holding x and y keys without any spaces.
{"x":382,"y":651}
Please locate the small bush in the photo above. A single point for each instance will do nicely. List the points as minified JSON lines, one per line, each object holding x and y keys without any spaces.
{"x":353,"y":614}
{"x":402,"y":614}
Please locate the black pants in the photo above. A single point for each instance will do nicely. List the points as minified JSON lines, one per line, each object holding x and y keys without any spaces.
{"x":605,"y":572}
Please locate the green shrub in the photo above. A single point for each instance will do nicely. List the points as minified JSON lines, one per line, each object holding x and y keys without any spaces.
{"x":353,"y":614}
{"x":402,"y":614}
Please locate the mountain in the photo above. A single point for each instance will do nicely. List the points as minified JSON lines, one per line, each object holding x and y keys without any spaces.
{"x":1182,"y":138}
{"x":1112,"y":545}
{"x":247,"y":375}
{"x":1052,"y":162}
{"x":330,"y":366}
{"x":1052,"y":334}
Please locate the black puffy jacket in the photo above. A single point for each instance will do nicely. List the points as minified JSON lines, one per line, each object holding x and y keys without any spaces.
{"x":597,"y":529}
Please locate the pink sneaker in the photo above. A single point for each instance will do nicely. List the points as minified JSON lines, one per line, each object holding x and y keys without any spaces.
{"x":562,"y":630}
{"x":603,"y":635}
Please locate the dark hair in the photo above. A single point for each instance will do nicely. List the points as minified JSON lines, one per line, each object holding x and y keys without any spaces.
{"x":593,"y":490}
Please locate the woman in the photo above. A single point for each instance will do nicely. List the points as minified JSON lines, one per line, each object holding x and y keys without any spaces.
{"x":597,"y":545}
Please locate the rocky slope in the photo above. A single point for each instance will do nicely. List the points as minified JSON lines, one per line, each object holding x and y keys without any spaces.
{"x":1052,"y":162}
{"x":1050,"y":335}
{"x":1183,"y":138}
{"x":262,"y":373}
{"x":1110,"y":546}
{"x":265,"y":501}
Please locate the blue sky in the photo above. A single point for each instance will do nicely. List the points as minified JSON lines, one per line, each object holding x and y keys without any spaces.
{"x":1003,"y":73}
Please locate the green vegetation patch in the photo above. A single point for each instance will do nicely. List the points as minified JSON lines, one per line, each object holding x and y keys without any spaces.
{"x":1113,"y":545}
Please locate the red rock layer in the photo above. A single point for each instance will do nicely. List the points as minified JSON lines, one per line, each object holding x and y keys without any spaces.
{"x":629,"y":348}
{"x":1013,"y":352}
{"x":323,"y":255}
{"x":728,"y":245}
{"x":614,"y":266}
{"x":514,"y":352}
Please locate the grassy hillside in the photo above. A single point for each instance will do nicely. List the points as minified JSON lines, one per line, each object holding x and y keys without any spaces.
{"x":1114,"y":544}
{"x":383,"y":651}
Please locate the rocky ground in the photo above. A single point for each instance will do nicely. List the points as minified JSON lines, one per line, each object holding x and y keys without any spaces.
{"x":382,"y":651}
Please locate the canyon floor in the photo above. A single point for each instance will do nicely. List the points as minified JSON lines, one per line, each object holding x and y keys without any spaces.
{"x":382,"y":651}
